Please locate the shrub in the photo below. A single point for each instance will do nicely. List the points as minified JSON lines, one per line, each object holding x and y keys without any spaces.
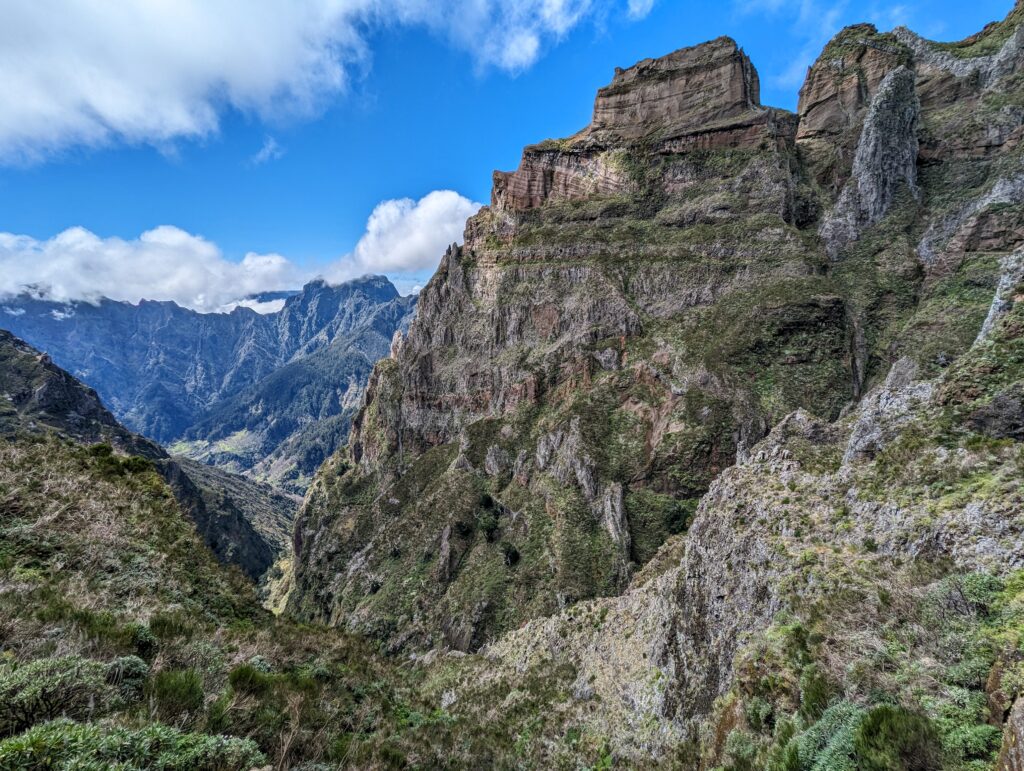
{"x":128,"y":674}
{"x":828,"y":744}
{"x":168,"y":626}
{"x":136,"y":464}
{"x":177,"y":693}
{"x":895,"y":739}
{"x":66,"y":744}
{"x":48,"y":688}
{"x":246,"y":678}
{"x":143,"y":640}
{"x":814,"y":693}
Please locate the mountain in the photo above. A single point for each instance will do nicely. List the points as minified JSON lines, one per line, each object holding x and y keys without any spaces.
{"x":285,"y":426}
{"x":243,"y":522}
{"x":163,"y":369}
{"x":708,"y":438}
{"x":127,"y":645}
{"x":703,"y":452}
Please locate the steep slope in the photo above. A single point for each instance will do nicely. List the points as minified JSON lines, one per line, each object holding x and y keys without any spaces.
{"x":244,"y":523}
{"x":560,"y":402}
{"x":124,"y":644}
{"x":163,"y":368}
{"x":640,"y":303}
{"x":873,"y":561}
{"x":37,"y":396}
{"x":284,"y":427}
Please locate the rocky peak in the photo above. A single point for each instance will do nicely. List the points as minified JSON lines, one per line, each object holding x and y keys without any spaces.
{"x":682,"y":91}
{"x":841,"y":83}
{"x":704,"y":97}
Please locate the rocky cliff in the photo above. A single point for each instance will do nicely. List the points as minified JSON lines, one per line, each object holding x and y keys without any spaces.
{"x":750,"y":375}
{"x":636,"y":308}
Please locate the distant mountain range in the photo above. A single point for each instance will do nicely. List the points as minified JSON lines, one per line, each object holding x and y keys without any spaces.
{"x":269,"y":394}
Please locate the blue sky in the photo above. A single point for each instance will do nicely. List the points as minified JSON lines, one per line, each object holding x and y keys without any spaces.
{"x":410,"y":101}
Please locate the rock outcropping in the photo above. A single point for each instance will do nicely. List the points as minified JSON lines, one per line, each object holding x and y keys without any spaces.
{"x":631,"y":316}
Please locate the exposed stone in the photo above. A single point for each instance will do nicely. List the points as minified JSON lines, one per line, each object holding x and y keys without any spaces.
{"x":951,"y":233}
{"x":884,"y":411}
{"x":496,"y":461}
{"x":843,"y":82}
{"x":702,"y":97}
{"x":984,"y":70}
{"x":1011,"y":754}
{"x":1006,"y":293}
{"x":885,"y":162}
{"x":686,"y":90}
{"x":628,"y":319}
{"x":1003,"y":417}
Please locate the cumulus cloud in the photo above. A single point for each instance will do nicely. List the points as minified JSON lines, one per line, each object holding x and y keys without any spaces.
{"x":92,"y":72}
{"x":406,"y":236}
{"x":166,"y":263}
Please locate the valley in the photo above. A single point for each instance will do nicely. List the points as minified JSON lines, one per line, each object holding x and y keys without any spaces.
{"x":703,"y":449}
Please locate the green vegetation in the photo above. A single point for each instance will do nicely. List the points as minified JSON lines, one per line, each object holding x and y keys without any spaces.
{"x":66,"y":744}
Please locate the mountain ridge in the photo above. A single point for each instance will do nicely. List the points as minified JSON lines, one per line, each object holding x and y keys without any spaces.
{"x":164,"y":369}
{"x":538,"y":471}
{"x":243,"y":523}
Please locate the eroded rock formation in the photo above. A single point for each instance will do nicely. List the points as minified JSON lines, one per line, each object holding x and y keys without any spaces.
{"x":631,"y":316}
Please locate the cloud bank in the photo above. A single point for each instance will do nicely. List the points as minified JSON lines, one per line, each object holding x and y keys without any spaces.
{"x":167,"y":263}
{"x":94,"y":72}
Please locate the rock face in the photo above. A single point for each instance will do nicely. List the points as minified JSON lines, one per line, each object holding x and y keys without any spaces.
{"x":796,"y":535}
{"x":1011,"y":756}
{"x":572,"y":335}
{"x":170,"y":373}
{"x":687,"y":90}
{"x":243,"y":523}
{"x":638,"y":307}
{"x":885,"y":162}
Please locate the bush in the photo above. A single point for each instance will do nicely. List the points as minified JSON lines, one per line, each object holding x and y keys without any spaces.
{"x":48,"y":688}
{"x":143,"y":640}
{"x":128,"y":674}
{"x":247,"y":678}
{"x":895,"y":739}
{"x":136,"y":464}
{"x":168,"y":626}
{"x":814,"y":693}
{"x":828,"y":744}
{"x":66,"y":744}
{"x":177,"y":693}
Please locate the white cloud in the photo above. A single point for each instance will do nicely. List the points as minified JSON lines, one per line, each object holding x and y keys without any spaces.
{"x":638,"y":9}
{"x":94,"y":72}
{"x":402,"y":237}
{"x":165,"y":263}
{"x":270,"y":151}
{"x":405,"y":236}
